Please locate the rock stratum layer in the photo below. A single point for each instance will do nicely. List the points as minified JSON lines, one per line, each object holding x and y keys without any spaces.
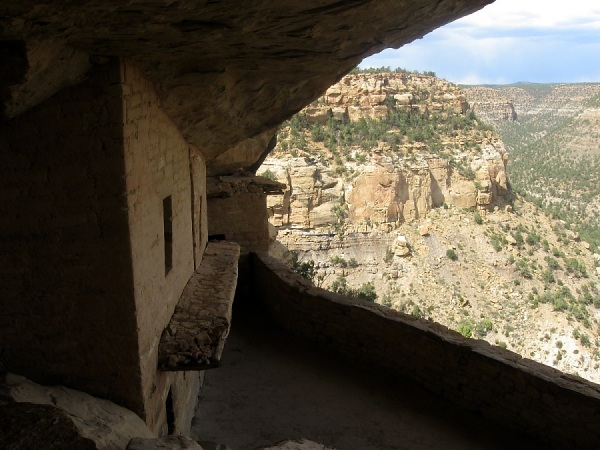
{"x":224,"y":71}
{"x":393,"y":181}
{"x":554,"y":146}
{"x":422,"y":217}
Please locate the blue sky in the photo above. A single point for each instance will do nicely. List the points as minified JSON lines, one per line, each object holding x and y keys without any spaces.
{"x":508,"y":41}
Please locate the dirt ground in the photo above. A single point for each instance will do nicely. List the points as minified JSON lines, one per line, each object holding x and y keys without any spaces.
{"x":271,"y":388}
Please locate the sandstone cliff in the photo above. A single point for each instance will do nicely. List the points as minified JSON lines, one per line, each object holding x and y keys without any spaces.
{"x":395,"y":188}
{"x":555,"y":156}
{"x":332,"y":177}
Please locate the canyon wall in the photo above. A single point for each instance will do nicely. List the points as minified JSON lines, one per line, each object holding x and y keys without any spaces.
{"x":389,"y":184}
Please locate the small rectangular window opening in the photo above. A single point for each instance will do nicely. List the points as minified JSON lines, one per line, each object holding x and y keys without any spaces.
{"x":168,"y":233}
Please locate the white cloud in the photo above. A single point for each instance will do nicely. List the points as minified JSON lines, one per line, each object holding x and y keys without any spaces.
{"x":535,"y":14}
{"x":509,"y":41}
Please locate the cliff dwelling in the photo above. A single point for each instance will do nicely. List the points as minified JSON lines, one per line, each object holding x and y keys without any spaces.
{"x":131,"y":133}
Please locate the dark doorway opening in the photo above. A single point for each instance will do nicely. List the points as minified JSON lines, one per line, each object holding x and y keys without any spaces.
{"x":170,"y":414}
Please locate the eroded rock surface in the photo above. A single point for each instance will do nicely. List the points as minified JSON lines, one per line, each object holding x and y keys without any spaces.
{"x":385,"y":185}
{"x":224,"y":71}
{"x":164,"y":443}
{"x":298,"y":444}
{"x":81,"y":421}
{"x":195,"y":336}
{"x":28,"y":426}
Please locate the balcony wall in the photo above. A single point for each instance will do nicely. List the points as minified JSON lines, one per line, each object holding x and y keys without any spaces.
{"x":556,"y":408}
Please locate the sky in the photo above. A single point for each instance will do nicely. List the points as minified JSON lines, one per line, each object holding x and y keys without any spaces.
{"x":509,"y":41}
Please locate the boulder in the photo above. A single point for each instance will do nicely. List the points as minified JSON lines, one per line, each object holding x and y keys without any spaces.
{"x":31,"y":426}
{"x":340,"y":114}
{"x":401,"y":248}
{"x":102,"y":422}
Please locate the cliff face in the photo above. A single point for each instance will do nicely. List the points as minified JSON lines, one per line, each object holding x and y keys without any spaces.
{"x":555,"y":156}
{"x":492,"y":103}
{"x":393,"y":187}
{"x":400,"y":178}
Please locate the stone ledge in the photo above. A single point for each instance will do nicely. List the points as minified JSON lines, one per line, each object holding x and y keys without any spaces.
{"x":195,"y":336}
{"x":559,"y":409}
{"x":229,"y":186}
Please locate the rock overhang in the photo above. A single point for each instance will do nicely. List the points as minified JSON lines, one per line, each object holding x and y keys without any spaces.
{"x":224,"y":71}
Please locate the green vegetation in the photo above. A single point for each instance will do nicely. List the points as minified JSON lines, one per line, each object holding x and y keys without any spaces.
{"x":469,"y":328}
{"x":341,"y":214}
{"x":389,"y":255}
{"x":465,"y":330}
{"x":399,"y":127}
{"x":451,"y":254}
{"x":268,"y":174}
{"x":525,"y":267}
{"x":340,"y":261}
{"x":550,"y":173}
{"x":307,"y":268}
{"x":484,"y":327}
{"x":401,"y":131}
{"x":497,"y":239}
{"x":388,"y":69}
{"x":365,"y":292}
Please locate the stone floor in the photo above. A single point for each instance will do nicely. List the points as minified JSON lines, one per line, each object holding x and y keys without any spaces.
{"x":271,"y":387}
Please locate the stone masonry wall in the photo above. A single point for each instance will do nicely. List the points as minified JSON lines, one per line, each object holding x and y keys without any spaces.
{"x":199,"y":211}
{"x":559,"y":409}
{"x":157,"y":163}
{"x":242,"y":218}
{"x":66,"y":287}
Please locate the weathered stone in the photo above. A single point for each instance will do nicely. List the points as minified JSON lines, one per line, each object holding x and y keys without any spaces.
{"x":463,"y":194}
{"x":195,"y":337}
{"x":299,"y":444}
{"x":31,"y":426}
{"x":401,"y":248}
{"x":104,"y":424}
{"x":202,"y":58}
{"x":243,"y":155}
{"x":318,"y":115}
{"x":165,"y":442}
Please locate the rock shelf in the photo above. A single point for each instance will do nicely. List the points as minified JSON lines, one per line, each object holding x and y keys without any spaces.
{"x":195,"y":336}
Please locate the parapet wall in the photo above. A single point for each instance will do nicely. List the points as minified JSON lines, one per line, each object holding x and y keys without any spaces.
{"x":559,"y":409}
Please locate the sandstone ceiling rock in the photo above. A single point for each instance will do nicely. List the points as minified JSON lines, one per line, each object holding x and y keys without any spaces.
{"x":225,"y":71}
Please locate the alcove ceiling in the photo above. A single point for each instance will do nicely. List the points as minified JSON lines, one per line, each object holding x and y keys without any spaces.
{"x":224,"y":70}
